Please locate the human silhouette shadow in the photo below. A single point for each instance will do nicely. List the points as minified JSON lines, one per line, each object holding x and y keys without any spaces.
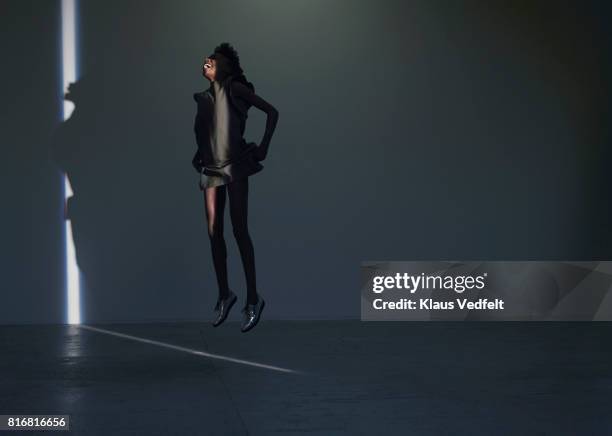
{"x":109,"y":150}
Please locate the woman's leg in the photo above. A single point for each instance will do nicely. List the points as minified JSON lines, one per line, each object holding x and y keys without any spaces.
{"x":215,"y":205}
{"x":238,"y":192}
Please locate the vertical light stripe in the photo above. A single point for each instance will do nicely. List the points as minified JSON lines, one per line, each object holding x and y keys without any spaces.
{"x":73,"y":285}
{"x":68,"y":50}
{"x":69,"y":75}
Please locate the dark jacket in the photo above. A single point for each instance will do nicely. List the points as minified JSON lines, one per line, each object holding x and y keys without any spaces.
{"x":219,"y":126}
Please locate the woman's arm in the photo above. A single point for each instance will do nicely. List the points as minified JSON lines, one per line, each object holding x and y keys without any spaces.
{"x":244,"y":92}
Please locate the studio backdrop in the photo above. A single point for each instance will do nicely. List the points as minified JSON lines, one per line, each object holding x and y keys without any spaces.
{"x":408,"y":130}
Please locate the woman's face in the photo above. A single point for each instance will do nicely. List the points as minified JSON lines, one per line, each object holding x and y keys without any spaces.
{"x":209,"y":69}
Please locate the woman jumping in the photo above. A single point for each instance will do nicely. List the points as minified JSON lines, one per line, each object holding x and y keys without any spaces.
{"x":225,"y":161}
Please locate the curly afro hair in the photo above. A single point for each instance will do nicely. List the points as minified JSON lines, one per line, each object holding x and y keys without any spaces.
{"x":228,"y":63}
{"x":227,"y":50}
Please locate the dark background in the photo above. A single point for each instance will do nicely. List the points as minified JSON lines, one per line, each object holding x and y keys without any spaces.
{"x":408,"y":130}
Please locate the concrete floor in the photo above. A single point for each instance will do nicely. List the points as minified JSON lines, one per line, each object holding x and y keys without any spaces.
{"x":351,"y":378}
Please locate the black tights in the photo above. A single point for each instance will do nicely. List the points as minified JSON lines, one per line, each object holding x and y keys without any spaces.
{"x":238,"y":193}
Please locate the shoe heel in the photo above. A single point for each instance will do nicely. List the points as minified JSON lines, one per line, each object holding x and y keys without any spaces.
{"x":263,"y":304}
{"x":219,"y":321}
{"x":254,"y":321}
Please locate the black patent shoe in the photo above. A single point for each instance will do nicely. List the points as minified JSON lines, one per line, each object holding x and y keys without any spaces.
{"x":252,"y":313}
{"x":224,"y":306}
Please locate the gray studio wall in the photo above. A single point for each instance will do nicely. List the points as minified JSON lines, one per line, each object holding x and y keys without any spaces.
{"x":31,"y":279}
{"x":408,"y":130}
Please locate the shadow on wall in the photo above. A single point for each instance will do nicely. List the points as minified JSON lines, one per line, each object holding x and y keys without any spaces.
{"x":124,"y":216}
